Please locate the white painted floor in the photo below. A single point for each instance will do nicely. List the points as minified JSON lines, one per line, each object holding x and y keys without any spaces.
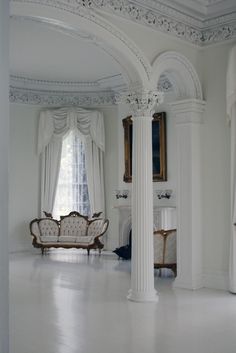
{"x":66,"y":302}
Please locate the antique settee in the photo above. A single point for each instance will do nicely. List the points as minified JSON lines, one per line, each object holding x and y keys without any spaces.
{"x":165,"y":249}
{"x":72,"y":231}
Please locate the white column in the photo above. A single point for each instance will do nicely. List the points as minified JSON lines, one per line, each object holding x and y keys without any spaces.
{"x":142,"y":269}
{"x":4,"y":139}
{"x":189,"y":119}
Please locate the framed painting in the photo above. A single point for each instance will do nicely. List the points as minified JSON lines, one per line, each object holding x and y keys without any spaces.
{"x":158,"y":147}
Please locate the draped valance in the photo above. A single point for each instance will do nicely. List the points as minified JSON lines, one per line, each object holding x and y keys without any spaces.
{"x":58,"y":122}
{"x":231,"y":82}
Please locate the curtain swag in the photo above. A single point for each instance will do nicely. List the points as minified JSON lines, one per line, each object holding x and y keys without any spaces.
{"x":56,"y":123}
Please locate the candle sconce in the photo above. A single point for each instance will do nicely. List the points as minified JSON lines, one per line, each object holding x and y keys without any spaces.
{"x":122,"y":194}
{"x":164,"y":194}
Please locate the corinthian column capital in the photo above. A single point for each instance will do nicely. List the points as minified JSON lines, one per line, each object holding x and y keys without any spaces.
{"x":142,"y":102}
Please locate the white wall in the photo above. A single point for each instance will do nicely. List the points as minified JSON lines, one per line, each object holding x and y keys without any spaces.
{"x":24,"y":173}
{"x":111,"y":166}
{"x":171,"y":158}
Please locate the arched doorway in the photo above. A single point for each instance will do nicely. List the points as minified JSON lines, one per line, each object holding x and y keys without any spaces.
{"x":188,"y":106}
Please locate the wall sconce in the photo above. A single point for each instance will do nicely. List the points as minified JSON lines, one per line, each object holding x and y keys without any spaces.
{"x":122,"y":194}
{"x":164,"y":194}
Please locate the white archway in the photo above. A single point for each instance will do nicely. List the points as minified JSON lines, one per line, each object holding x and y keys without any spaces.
{"x":136,"y":69}
{"x":180,"y":72}
{"x":188,"y":109}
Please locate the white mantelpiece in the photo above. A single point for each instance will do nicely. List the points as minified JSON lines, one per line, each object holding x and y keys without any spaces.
{"x":163,"y":218}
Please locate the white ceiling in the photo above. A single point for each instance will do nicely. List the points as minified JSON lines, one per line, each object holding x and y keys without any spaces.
{"x":41,"y":52}
{"x":199,"y":9}
{"x":46,"y":57}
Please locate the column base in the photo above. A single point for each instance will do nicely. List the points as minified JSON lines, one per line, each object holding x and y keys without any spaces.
{"x":143,"y":296}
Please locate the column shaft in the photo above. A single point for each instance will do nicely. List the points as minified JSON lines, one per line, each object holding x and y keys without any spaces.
{"x":142,"y":271}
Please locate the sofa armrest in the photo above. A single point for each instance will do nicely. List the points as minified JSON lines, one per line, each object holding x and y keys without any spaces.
{"x":35,"y":232}
{"x":97,"y":227}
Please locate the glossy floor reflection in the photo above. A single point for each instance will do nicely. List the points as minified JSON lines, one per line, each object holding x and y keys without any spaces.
{"x":66,"y":302}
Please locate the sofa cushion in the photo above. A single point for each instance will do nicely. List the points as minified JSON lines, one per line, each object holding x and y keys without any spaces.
{"x":66,"y":238}
{"x":49,"y":239}
{"x":49,"y":230}
{"x":85,"y":239}
{"x":73,"y":226}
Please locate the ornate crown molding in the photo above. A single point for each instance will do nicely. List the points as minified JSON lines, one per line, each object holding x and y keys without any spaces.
{"x":56,"y":98}
{"x":155,"y":15}
{"x":114,"y":82}
{"x":21,"y":91}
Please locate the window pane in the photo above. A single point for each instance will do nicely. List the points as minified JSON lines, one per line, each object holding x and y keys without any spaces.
{"x":72,"y":188}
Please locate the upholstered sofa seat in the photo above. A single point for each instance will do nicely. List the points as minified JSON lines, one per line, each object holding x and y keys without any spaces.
{"x":73,"y":230}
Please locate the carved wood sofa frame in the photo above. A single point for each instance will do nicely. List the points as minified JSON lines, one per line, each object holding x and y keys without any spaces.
{"x":52,"y":229}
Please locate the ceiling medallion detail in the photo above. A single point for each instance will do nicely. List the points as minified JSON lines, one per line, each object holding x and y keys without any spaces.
{"x":173,"y":22}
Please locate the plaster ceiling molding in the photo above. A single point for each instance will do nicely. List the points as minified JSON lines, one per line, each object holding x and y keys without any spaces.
{"x":148,"y":17}
{"x":118,"y":43}
{"x":98,"y":60}
{"x":194,"y":21}
{"x":220,"y":34}
{"x":164,"y":84}
{"x":187,"y":22}
{"x":115,"y":82}
{"x":55,"y":98}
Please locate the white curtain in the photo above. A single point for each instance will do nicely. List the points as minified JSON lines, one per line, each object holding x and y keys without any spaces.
{"x":50,"y":166}
{"x":95,"y":178}
{"x":231,"y":111}
{"x":53,"y":125}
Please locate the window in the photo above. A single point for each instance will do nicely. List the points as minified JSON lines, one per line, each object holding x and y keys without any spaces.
{"x":72,"y":187}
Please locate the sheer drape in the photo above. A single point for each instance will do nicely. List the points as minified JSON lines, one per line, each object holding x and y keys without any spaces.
{"x":231,"y":111}
{"x":50,"y":166}
{"x":95,"y":178}
{"x":53,"y":125}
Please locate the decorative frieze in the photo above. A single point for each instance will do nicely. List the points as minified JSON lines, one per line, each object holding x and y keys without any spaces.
{"x":24,"y":90}
{"x":50,"y":98}
{"x":158,"y":16}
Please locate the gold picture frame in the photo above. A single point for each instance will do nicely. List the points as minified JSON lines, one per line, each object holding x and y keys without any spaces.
{"x":158,"y":147}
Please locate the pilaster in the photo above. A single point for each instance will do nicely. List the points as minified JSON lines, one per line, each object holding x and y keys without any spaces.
{"x":189,"y":120}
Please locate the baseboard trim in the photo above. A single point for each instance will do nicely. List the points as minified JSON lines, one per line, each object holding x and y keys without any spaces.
{"x":216,"y":280}
{"x":196,"y":283}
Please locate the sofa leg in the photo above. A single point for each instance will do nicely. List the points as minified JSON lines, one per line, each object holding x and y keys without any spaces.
{"x":88,"y":251}
{"x":100,"y":251}
{"x":42,"y":250}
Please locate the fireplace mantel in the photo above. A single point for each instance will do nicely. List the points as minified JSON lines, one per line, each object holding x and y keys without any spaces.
{"x":164,"y":218}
